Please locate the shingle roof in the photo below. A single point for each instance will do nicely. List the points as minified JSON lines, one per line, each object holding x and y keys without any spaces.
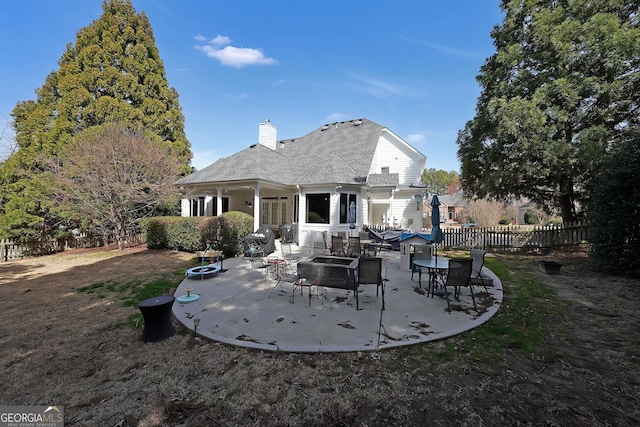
{"x":340,"y":152}
{"x":384,"y":180}
{"x":456,"y":199}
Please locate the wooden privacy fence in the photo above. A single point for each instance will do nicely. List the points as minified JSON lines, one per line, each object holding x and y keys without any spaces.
{"x":515,"y":238}
{"x":16,"y":249}
{"x":503,"y":238}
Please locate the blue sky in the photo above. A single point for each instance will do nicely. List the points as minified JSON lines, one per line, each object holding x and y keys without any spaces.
{"x":408,"y":65}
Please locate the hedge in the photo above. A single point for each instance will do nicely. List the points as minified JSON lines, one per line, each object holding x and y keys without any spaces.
{"x":191,"y":233}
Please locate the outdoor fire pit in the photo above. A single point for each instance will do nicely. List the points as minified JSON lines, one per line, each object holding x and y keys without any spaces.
{"x":330,"y":271}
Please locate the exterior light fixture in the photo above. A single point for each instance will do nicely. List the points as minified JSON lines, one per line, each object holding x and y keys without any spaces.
{"x":196,"y":323}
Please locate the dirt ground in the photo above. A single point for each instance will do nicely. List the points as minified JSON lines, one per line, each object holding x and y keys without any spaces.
{"x":74,"y":349}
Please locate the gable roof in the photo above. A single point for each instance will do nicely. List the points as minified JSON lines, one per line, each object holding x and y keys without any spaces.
{"x":339,"y":152}
{"x":456,"y":199}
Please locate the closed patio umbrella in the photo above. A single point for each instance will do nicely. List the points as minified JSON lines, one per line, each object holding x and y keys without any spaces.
{"x":352,"y":215}
{"x":437,"y":236}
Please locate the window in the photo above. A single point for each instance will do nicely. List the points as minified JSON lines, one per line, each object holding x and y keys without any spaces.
{"x":384,"y":169}
{"x":345,"y":203}
{"x":283,"y":206}
{"x":214,"y":205}
{"x":318,"y":208}
{"x":265,"y":212}
{"x":197,"y":206}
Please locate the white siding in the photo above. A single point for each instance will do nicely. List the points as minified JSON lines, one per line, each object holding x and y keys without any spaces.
{"x":407,"y":211}
{"x":399,"y":157}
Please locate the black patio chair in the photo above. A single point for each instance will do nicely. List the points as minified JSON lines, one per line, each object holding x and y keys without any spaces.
{"x":354,"y":249}
{"x":337,"y":246}
{"x":478,"y":262}
{"x":458,"y":276}
{"x":370,"y":273}
{"x":420,"y":251}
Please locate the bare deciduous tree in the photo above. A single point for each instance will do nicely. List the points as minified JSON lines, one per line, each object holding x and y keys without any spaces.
{"x":485,"y":212}
{"x":113,"y":178}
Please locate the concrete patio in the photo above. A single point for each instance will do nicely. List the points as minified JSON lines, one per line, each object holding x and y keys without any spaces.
{"x":237,"y":307}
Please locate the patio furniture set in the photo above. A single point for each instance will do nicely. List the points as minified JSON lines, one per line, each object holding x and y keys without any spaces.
{"x":325,"y":271}
{"x":349,"y":264}
{"x":453,"y":273}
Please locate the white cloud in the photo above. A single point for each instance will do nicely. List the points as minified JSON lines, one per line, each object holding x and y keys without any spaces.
{"x":233,"y":56}
{"x":415,"y":137}
{"x":200,"y":38}
{"x":220,"y":40}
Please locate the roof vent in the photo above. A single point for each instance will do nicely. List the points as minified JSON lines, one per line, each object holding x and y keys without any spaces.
{"x":357,"y":123}
{"x":323,"y":128}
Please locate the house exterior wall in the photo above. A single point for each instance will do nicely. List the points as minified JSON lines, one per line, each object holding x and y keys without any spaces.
{"x":399,"y":157}
{"x":403,"y":211}
{"x":374,"y":200}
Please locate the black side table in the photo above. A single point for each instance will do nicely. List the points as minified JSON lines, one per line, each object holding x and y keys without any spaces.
{"x":156,"y":312}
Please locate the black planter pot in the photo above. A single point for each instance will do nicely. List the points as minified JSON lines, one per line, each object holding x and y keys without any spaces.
{"x":549,"y":267}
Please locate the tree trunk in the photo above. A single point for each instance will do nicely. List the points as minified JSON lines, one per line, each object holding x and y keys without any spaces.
{"x":567,"y":207}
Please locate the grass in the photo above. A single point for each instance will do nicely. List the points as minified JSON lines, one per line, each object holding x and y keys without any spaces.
{"x":131,"y":293}
{"x":520,"y":325}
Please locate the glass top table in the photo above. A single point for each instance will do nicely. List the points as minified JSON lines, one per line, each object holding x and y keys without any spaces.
{"x":436,"y":267}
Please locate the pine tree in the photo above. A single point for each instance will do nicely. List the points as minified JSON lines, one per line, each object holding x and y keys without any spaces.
{"x":562,"y":88}
{"x":112,"y":73}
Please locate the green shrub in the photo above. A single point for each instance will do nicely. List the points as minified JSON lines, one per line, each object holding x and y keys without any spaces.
{"x":184,"y":234}
{"x":505,"y":220}
{"x":155,"y":233}
{"x":236,"y":226}
{"x":530,"y":217}
{"x":191,"y":233}
{"x":614,"y":212}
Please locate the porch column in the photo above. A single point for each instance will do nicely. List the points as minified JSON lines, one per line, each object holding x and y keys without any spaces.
{"x":256,"y":208}
{"x":390,"y":216}
{"x":219,"y":202}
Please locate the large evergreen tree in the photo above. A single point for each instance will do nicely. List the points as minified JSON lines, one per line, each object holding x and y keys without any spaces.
{"x":562,"y":88}
{"x":113,"y":73}
{"x":438,"y":181}
{"x":615,"y":212}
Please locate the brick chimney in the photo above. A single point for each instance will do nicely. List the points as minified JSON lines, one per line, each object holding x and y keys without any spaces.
{"x":267,"y":134}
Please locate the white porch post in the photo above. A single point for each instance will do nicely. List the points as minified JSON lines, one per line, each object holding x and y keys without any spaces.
{"x":185,"y":205}
{"x":219,"y":202}
{"x":390,"y":217}
{"x":256,"y":208}
{"x":302,"y":208}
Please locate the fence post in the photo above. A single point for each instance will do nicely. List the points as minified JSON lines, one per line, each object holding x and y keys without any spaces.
{"x":3,"y":253}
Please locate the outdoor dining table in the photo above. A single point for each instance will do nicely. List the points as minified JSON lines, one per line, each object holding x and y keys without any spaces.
{"x":436,"y":267}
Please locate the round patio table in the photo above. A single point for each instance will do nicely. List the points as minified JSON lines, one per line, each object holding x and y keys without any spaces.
{"x":435,"y":267}
{"x":156,"y":312}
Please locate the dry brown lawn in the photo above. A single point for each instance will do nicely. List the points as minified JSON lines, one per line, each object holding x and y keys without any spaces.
{"x":75,"y":349}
